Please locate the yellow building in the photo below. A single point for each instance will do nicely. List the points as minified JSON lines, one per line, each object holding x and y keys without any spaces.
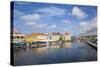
{"x":34,"y":37}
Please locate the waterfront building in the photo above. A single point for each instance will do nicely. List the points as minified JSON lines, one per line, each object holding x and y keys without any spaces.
{"x":34,"y":37}
{"x":18,"y":37}
{"x":55,"y":36}
{"x":67,"y":36}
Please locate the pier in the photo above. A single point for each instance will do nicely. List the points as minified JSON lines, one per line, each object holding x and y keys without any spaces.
{"x":92,"y":44}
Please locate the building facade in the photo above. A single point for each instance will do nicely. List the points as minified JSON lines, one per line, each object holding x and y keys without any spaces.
{"x":55,"y":36}
{"x":18,"y":37}
{"x":36,"y":37}
{"x":67,"y":36}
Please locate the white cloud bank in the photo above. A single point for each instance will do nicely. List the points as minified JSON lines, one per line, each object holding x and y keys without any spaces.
{"x":52,"y":11}
{"x":52,"y":26}
{"x":32,"y":21}
{"x":31,"y":17}
{"x":78,"y":13}
{"x":89,"y":27}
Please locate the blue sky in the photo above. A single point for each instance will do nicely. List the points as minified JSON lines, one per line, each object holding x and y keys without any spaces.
{"x":32,"y":17}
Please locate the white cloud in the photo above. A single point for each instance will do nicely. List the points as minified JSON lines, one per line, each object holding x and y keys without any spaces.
{"x":33,"y":20}
{"x":30,"y":23}
{"x":35,"y":25}
{"x":94,"y":22}
{"x":84,"y":26}
{"x":77,"y":12}
{"x":52,"y":11}
{"x":84,"y":23}
{"x":52,"y":26}
{"x":39,"y":26}
{"x":89,"y":27}
{"x":31,"y":17}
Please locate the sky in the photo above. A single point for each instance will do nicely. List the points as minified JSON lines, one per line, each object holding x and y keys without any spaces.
{"x":32,"y":17}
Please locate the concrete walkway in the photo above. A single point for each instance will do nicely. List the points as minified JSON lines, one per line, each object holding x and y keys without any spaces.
{"x":91,"y":44}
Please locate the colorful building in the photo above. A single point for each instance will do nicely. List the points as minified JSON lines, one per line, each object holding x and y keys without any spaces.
{"x":18,"y":37}
{"x":34,"y":37}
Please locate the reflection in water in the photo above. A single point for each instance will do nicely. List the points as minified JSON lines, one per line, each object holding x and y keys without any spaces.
{"x":55,"y":52}
{"x":66,"y":45}
{"x":59,"y":45}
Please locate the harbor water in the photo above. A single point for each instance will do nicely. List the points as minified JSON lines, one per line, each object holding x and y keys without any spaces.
{"x":55,"y":53}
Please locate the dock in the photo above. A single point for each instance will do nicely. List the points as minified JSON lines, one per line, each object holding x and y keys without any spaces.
{"x":91,"y":44}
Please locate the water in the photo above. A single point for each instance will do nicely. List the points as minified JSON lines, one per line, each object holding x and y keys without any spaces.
{"x":68,"y":52}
